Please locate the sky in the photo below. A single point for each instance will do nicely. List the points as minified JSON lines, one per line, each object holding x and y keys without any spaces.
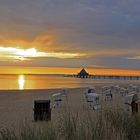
{"x":95,"y":34}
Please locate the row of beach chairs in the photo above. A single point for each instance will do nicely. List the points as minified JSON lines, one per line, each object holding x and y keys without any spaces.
{"x":93,"y":99}
{"x":42,"y":109}
{"x":130,"y":94}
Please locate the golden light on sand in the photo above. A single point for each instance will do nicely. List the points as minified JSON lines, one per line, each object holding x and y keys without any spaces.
{"x":21,"y":82}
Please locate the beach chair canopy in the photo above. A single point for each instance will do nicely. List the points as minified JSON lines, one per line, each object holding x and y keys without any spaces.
{"x":56,"y":95}
{"x":124,"y":89}
{"x":116,"y":87}
{"x":91,"y":90}
{"x":106,"y":88}
{"x":108,"y":91}
{"x":134,"y":88}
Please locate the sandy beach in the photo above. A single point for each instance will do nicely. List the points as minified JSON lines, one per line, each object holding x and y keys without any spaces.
{"x":17,"y":105}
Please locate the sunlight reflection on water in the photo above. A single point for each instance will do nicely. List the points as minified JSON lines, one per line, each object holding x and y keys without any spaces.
{"x":21,"y":82}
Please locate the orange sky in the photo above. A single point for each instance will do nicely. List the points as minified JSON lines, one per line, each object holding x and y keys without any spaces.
{"x":61,"y":70}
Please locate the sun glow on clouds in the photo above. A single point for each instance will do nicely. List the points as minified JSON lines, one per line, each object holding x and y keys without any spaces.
{"x":24,"y":54}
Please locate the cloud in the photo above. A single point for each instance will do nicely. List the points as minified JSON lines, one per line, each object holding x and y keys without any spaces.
{"x":133,"y":58}
{"x":107,"y":30}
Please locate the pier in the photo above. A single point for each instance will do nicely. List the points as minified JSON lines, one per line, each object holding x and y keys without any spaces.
{"x":83,"y":74}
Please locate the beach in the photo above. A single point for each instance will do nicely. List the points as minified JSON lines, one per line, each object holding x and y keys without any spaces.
{"x":16,"y":106}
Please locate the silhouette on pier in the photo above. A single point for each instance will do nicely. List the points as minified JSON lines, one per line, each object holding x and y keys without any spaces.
{"x":82,"y":74}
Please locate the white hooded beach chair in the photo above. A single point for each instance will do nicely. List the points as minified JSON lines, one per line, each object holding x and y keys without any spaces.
{"x":123,"y":91}
{"x":57,"y":99}
{"x":131,"y":102}
{"x":108,"y":95}
{"x":116,"y":88}
{"x":94,"y":101}
{"x":133,"y":88}
{"x":90,"y":90}
{"x":105,"y":88}
{"x":107,"y":92}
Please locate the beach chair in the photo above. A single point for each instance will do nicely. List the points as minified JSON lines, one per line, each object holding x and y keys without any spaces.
{"x":133,"y":88}
{"x":132,"y":103}
{"x":42,"y":110}
{"x":107,"y":92}
{"x":105,"y":89}
{"x":123,"y":92}
{"x":89,"y":90}
{"x":108,"y":95}
{"x":57,"y":99}
{"x":116,"y":89}
{"x":94,"y":101}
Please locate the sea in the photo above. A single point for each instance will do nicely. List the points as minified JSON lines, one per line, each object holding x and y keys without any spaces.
{"x":21,"y":82}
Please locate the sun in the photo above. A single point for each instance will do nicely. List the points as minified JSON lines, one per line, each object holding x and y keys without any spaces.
{"x":24,"y":54}
{"x":31,"y":52}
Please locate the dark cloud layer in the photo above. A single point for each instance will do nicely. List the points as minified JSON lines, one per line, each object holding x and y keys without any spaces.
{"x":107,"y":30}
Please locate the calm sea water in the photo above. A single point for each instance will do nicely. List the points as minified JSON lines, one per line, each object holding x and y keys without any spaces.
{"x":45,"y":82}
